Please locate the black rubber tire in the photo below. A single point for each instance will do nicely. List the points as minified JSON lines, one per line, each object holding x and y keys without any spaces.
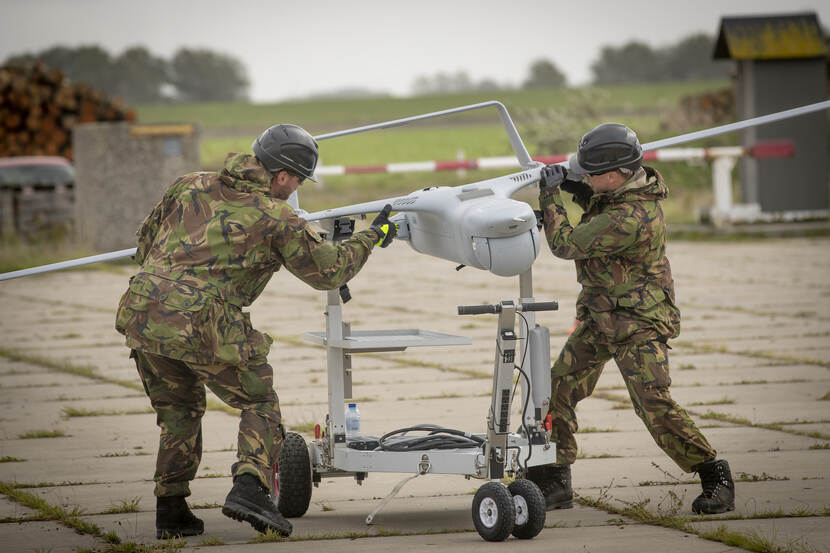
{"x":293,"y":474}
{"x":493,"y":512}
{"x":530,"y":509}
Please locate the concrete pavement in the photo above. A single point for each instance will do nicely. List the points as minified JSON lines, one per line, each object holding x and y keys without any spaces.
{"x":752,"y":366}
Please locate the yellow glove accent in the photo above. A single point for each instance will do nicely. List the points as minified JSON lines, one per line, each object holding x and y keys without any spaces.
{"x":385,"y":230}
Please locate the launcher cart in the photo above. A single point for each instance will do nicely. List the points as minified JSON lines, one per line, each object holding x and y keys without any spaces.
{"x":497,"y":510}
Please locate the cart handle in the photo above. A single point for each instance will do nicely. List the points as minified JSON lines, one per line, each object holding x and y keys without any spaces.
{"x":496,"y":307}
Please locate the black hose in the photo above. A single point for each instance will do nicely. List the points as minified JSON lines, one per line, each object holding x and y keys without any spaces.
{"x":437,"y":438}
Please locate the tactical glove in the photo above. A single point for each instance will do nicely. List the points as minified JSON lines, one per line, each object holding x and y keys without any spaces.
{"x":386,"y":230}
{"x":580,"y":189}
{"x":551,"y":177}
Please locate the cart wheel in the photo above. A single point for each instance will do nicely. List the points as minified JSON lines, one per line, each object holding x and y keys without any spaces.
{"x":493,"y":512}
{"x":292,"y":477}
{"x":530,"y":509}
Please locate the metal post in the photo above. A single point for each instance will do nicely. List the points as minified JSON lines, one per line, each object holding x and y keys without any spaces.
{"x":526,"y":295}
{"x":722,"y":188}
{"x":498,"y":421}
{"x":334,"y":362}
{"x":6,"y":212}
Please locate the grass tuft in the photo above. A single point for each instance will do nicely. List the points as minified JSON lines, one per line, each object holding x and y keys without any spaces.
{"x":69,"y":412}
{"x":443,"y":395}
{"x":594,"y":429}
{"x":268,"y":537}
{"x":126,"y":506}
{"x":9,"y":459}
{"x":778,"y":426}
{"x":205,"y":506}
{"x":34,"y":434}
{"x":64,"y":367}
{"x":666,"y":513}
{"x":753,"y":541}
{"x":722,"y":401}
{"x":51,"y":512}
{"x":763,"y":477}
{"x":115,"y":454}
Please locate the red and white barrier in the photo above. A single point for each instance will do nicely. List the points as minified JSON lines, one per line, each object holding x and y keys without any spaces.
{"x":723,"y":159}
{"x":760,"y":150}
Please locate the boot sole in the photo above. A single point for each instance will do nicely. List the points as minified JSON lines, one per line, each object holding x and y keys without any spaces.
{"x":714,"y":512}
{"x":566,"y":505}
{"x":244,"y":513}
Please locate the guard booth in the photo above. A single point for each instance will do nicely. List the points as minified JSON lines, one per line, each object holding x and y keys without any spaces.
{"x":121,"y":171}
{"x":781,"y":64}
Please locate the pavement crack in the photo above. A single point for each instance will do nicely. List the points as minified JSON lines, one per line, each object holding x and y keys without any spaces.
{"x":85,"y":371}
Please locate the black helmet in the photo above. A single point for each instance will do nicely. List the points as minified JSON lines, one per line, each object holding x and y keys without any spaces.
{"x":287,"y":147}
{"x":605,"y":148}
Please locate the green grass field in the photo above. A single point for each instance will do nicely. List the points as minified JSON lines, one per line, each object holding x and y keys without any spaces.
{"x":232,"y":127}
{"x":549,"y":120}
{"x":328,"y":115}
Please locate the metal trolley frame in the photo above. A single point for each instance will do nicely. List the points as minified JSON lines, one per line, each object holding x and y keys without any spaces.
{"x":498,"y":510}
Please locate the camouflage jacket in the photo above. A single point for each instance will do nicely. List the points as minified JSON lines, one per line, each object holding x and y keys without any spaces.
{"x":208,"y":249}
{"x":619,"y":247}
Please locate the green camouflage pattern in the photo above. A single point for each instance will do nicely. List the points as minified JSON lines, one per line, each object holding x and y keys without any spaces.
{"x":177,"y":393}
{"x":626,"y":311}
{"x":208,"y":249}
{"x":619,"y":248}
{"x":645,"y":369}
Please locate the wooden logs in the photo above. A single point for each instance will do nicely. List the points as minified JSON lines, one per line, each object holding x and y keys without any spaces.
{"x":39,"y":107}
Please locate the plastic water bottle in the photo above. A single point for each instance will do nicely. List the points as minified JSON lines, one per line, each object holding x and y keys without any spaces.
{"x":352,"y":421}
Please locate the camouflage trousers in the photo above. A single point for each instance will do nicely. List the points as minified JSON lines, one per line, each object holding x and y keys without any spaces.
{"x":645,"y":368}
{"x":177,"y":393}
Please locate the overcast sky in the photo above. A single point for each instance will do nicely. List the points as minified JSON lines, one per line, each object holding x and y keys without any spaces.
{"x":292,"y":48}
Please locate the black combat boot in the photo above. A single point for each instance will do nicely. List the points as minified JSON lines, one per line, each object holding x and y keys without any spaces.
{"x":174,"y":519}
{"x":249,"y":501}
{"x":555,"y":483}
{"x":718,"y":489}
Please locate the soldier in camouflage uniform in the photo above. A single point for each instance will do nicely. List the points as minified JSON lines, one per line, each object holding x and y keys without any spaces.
{"x":625,"y":311}
{"x":207,"y":251}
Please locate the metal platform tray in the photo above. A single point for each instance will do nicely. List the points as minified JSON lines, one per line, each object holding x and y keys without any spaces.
{"x":388,"y":340}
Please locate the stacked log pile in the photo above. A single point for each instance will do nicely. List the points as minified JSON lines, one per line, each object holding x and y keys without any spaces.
{"x":39,"y":107}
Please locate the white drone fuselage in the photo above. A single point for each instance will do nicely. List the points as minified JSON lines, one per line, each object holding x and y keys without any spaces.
{"x":471,"y":225}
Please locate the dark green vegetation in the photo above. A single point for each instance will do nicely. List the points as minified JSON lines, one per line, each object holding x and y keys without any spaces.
{"x":136,"y":75}
{"x":550,"y":120}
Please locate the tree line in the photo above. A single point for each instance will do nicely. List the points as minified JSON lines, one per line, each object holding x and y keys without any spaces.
{"x":138,"y":76}
{"x":688,"y":59}
{"x":201,"y":75}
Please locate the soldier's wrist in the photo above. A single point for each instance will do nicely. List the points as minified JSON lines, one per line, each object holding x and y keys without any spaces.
{"x":378,"y":234}
{"x":548,"y":197}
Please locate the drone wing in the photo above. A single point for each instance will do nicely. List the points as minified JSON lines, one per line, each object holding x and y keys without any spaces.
{"x":697,"y":135}
{"x":354,"y":209}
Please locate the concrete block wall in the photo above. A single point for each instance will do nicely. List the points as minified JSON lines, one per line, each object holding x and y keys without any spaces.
{"x":121,"y":172}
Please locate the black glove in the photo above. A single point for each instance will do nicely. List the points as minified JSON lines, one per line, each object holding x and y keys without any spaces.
{"x":386,"y":230}
{"x":580,"y":189}
{"x":551,"y":177}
